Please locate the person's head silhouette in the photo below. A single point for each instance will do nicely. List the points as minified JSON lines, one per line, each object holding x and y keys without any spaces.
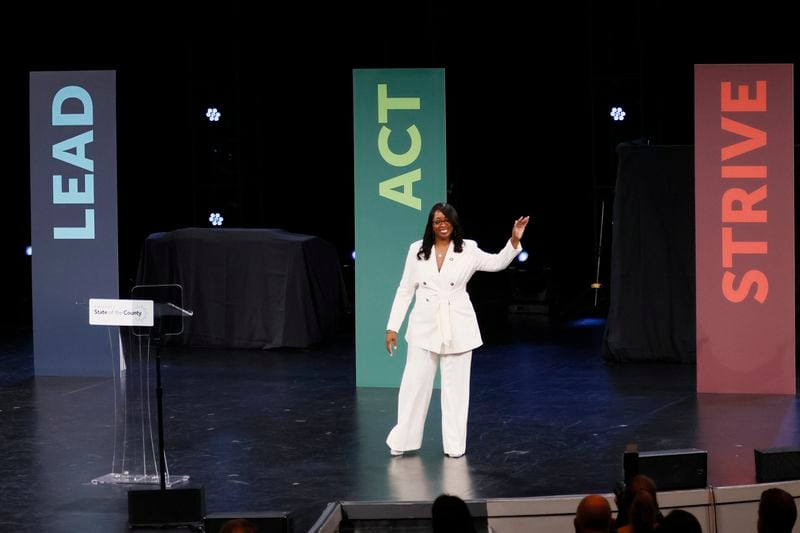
{"x":593,"y":515}
{"x":777,"y":511}
{"x":451,"y":515}
{"x":238,"y":525}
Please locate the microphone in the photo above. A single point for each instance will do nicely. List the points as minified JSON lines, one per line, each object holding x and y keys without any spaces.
{"x":184,"y":312}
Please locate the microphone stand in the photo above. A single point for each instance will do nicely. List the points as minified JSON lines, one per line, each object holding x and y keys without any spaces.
{"x":162,"y":458}
{"x":162,"y":454}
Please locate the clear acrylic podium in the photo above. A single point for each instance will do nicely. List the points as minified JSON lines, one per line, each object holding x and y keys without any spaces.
{"x":138,"y":453}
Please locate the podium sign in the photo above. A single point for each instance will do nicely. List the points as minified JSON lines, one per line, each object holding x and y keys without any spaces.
{"x":744,"y":228}
{"x":106,"y":312}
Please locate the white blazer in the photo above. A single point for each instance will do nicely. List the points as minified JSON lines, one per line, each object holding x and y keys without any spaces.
{"x":443,"y":319}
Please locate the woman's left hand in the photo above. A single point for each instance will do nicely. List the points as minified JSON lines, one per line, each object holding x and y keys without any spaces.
{"x":518,"y":230}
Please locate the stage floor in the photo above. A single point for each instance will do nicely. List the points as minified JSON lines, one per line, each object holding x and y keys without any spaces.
{"x":286,"y":430}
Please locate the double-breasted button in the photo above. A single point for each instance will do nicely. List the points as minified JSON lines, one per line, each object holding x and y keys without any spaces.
{"x":451,"y":283}
{"x":424,"y":282}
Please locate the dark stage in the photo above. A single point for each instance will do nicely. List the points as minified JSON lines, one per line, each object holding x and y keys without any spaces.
{"x":269,"y":430}
{"x":286,"y":430}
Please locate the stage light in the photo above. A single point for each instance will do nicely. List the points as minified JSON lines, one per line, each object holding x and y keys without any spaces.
{"x":215,"y":219}
{"x":29,"y":251}
{"x":617,"y":113}
{"x":213,"y":114}
{"x":523,"y":256}
{"x":353,"y":255}
{"x":587,"y":322}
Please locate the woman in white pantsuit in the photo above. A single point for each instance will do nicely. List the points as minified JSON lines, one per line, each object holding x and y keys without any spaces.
{"x":442,"y":328}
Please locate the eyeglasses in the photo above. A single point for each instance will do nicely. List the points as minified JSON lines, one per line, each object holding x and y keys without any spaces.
{"x":440,"y":221}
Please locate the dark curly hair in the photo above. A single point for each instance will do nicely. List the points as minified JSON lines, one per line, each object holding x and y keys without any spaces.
{"x":429,"y":237}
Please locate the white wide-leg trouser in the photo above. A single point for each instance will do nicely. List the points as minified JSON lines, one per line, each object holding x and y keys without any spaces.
{"x":415,"y":397}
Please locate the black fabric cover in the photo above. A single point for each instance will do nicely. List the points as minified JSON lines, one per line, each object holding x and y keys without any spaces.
{"x":249,"y":288}
{"x":651,"y":310}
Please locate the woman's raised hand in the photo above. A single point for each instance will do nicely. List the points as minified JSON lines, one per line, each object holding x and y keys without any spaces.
{"x":518,"y":230}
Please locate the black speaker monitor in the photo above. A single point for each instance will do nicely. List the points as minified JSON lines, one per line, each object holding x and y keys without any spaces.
{"x":777,"y":464}
{"x":675,"y":469}
{"x":156,"y":508}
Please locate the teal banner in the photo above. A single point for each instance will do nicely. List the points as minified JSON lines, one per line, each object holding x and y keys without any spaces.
{"x":400,"y":172}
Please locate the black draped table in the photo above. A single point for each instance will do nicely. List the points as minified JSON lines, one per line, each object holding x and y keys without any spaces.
{"x":249,"y":288}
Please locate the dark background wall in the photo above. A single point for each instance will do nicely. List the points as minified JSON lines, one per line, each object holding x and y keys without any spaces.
{"x":529,"y":90}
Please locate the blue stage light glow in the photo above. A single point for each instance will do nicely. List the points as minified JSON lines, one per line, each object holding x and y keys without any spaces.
{"x":617,"y":113}
{"x":215,"y":219}
{"x":522,"y":257}
{"x":29,"y":251}
{"x":353,"y":255}
{"x":587,"y":322}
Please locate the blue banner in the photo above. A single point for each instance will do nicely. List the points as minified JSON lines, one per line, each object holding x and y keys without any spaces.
{"x":73,"y":163}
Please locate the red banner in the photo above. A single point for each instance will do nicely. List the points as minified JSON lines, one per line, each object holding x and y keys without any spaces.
{"x":744,"y":228}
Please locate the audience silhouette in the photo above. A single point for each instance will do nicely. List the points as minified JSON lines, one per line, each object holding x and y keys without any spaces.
{"x":638,"y":506}
{"x":680,"y":521}
{"x":451,"y":515}
{"x":238,"y":525}
{"x":593,"y":515}
{"x":777,"y":511}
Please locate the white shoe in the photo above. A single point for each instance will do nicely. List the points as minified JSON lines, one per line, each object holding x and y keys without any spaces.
{"x":395,"y":453}
{"x":454,"y":456}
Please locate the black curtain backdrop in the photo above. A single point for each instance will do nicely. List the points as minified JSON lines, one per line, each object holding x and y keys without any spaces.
{"x":651,"y":312}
